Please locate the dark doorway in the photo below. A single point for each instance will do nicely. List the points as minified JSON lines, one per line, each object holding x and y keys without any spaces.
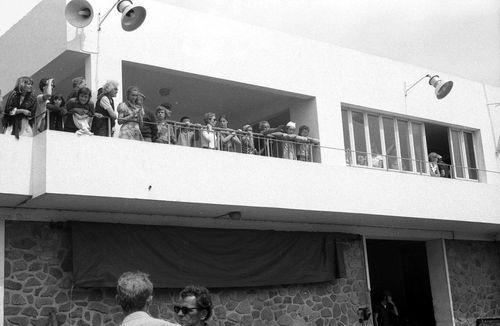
{"x":437,"y":141}
{"x":401,"y":268}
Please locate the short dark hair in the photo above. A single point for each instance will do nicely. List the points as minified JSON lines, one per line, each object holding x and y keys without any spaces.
{"x":42,"y":83}
{"x":184,"y":118}
{"x":203,"y":299}
{"x":133,"y":290}
{"x":53,"y":99}
{"x":85,"y":90}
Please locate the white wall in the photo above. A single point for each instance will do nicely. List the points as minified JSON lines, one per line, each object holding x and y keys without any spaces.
{"x":194,"y":42}
{"x":104,"y":167}
{"x":15,"y":173}
{"x":32,"y":43}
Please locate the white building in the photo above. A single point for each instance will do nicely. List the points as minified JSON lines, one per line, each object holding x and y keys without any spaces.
{"x":353,"y":102}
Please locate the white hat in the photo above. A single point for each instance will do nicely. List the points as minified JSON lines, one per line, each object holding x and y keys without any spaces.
{"x":291,"y":125}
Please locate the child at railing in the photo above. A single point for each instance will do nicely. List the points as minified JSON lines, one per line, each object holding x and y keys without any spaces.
{"x":185,"y":132}
{"x":166,"y":133}
{"x":264,"y":145}
{"x":57,"y":110}
{"x":229,"y":141}
{"x":80,"y":110}
{"x":304,"y":149}
{"x":247,"y":142}
{"x":20,"y":106}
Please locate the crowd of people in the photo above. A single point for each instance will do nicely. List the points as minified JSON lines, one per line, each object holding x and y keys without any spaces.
{"x":25,"y":114}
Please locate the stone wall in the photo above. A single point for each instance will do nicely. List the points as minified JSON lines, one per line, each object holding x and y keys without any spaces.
{"x":474,"y":269}
{"x":38,"y":290}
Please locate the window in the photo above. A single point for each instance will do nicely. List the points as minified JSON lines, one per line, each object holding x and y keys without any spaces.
{"x":392,"y":143}
{"x":463,"y":155}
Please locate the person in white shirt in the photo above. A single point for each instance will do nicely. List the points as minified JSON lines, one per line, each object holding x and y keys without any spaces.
{"x":134,"y":293}
{"x":208,"y":136}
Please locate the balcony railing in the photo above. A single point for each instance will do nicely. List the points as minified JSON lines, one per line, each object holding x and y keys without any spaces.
{"x":301,"y":149}
{"x":276,"y":144}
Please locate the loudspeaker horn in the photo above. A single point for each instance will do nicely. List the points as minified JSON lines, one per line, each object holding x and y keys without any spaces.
{"x":79,"y":13}
{"x":132,"y":16}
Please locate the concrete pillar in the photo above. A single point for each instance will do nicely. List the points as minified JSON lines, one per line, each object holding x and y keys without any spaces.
{"x":440,"y":282}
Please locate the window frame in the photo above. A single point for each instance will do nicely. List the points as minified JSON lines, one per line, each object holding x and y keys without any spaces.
{"x":410,"y":124}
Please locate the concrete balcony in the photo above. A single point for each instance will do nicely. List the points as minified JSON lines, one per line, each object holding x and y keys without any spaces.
{"x":99,"y":174}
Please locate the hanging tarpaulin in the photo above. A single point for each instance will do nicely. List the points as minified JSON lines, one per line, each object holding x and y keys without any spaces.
{"x":176,"y":256}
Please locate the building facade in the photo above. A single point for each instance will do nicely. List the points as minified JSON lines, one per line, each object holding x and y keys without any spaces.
{"x":432,"y":241}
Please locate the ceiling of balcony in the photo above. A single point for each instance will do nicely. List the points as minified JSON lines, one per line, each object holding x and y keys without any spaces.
{"x":193,"y":95}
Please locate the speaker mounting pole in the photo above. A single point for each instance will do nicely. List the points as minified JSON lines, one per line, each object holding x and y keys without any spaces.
{"x":106,"y":15}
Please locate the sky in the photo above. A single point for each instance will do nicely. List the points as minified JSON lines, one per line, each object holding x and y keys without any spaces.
{"x":459,"y":37}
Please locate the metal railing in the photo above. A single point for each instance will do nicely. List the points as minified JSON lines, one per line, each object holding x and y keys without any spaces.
{"x":274,"y":145}
{"x":406,"y":164}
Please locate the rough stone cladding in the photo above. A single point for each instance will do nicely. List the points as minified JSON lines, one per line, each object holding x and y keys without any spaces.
{"x":474,"y":269}
{"x":38,"y":290}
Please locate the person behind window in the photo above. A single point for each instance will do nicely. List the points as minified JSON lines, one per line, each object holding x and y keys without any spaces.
{"x":166,"y":134}
{"x":134,"y":294}
{"x":434,"y":168}
{"x":57,"y":111}
{"x":77,"y":83}
{"x":46,"y":86}
{"x":208,"y":136}
{"x":444,"y":166}
{"x":130,"y":115}
{"x":80,"y":112}
{"x":229,"y":141}
{"x":105,"y":113}
{"x":385,"y":312}
{"x":195,"y":306}
{"x":20,"y":107}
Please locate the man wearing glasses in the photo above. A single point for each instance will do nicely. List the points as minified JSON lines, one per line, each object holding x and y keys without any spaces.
{"x":134,"y":293}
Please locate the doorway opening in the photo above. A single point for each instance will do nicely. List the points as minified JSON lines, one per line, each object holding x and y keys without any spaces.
{"x":401,"y":268}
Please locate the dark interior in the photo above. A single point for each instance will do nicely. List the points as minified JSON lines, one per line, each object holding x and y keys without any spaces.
{"x":401,"y":268}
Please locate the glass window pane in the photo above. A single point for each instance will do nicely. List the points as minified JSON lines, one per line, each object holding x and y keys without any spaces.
{"x":457,"y":154}
{"x":347,"y":138}
{"x":404,"y":142}
{"x":471,"y":158}
{"x":375,"y":142}
{"x":390,"y":143}
{"x":359,"y":138}
{"x":418,"y":144}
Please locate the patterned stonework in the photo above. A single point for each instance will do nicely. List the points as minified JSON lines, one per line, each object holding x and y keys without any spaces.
{"x":39,"y":292}
{"x":474,"y":269}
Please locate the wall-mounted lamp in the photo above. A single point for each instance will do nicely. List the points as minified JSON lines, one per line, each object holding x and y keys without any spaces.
{"x":441,"y":88}
{"x":79,"y":13}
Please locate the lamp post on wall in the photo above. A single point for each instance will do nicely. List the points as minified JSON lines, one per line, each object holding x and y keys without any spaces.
{"x":441,"y":88}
